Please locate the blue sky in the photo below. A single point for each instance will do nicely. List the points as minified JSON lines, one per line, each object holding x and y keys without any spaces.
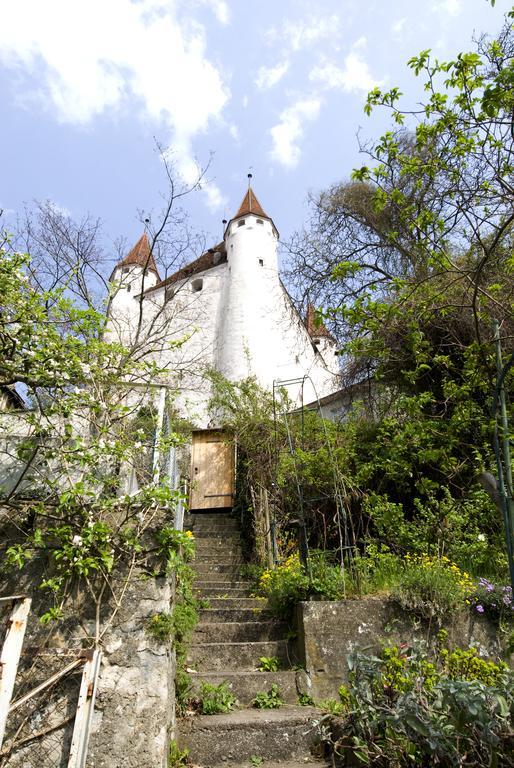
{"x":275,"y":86}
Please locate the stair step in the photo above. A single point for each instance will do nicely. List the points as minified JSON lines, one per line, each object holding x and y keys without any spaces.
{"x":238,"y":631}
{"x":232,"y":615}
{"x":247,"y":684}
{"x":222,"y":591}
{"x":237,"y":602}
{"x":223,"y":534}
{"x":209,"y":657}
{"x":273,"y":734}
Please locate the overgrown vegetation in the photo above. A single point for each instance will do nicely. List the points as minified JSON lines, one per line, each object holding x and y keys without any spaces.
{"x":214,"y":699}
{"x":402,"y":708}
{"x":268,"y":699}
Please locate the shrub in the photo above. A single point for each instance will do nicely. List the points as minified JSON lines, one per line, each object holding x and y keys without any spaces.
{"x":177,"y":758}
{"x":432,"y":587}
{"x":289,"y":583}
{"x":407,"y":710}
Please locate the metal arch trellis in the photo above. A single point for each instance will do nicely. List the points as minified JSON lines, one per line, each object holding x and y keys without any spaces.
{"x":341,"y":516}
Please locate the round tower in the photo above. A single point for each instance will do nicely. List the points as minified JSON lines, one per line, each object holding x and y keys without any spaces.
{"x":129,"y":279}
{"x":248,"y":339}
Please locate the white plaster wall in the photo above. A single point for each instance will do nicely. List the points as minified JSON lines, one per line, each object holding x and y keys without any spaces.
{"x":241,"y":323}
{"x":260,"y":333}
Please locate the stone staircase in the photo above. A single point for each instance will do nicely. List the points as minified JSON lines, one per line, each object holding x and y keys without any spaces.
{"x":234,"y":631}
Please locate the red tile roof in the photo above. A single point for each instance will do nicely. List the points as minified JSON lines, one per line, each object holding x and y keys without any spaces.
{"x":316,"y":328}
{"x":207,"y":260}
{"x":141,"y":256}
{"x":250,"y":204}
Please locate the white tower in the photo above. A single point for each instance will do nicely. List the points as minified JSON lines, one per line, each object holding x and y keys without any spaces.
{"x":136,"y":273}
{"x":249,"y":341}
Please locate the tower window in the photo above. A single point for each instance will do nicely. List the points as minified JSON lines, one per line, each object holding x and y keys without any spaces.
{"x":241,"y":223}
{"x":197,"y":285}
{"x":261,"y":262}
{"x":260,"y":221}
{"x":169,"y":294}
{"x":129,"y":287}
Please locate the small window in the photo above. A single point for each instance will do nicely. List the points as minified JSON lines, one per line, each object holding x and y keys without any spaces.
{"x":129,"y":287}
{"x":241,"y":223}
{"x":197,"y":285}
{"x":260,"y":221}
{"x":316,"y":342}
{"x":261,"y":262}
{"x":169,"y":294}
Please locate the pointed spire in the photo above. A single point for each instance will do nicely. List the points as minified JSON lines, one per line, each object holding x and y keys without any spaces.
{"x":250,"y":204}
{"x":141,"y":256}
{"x":315,"y":328}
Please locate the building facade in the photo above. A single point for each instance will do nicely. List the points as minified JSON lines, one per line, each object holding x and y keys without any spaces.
{"x":226,"y":311}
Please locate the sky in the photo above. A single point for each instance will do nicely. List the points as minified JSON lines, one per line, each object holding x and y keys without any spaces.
{"x":272,"y":87}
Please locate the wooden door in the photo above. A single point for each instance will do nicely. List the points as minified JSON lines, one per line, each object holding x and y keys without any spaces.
{"x":212,"y":470}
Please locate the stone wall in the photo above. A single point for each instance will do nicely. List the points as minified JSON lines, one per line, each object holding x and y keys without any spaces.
{"x":328,"y":631}
{"x":134,"y":715}
{"x":135,"y":706}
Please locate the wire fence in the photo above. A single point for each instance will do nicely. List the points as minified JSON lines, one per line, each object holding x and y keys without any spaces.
{"x":41,"y":719}
{"x":48,"y":698}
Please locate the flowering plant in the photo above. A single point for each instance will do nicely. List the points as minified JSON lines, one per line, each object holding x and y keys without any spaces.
{"x":493,"y":600}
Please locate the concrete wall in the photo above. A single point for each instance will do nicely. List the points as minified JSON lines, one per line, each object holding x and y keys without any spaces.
{"x":328,"y":631}
{"x":134,"y":715}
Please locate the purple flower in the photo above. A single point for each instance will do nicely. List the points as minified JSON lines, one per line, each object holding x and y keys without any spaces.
{"x":480,"y":608}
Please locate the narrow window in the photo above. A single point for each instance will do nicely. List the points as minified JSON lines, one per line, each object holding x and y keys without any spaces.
{"x":169,"y":294}
{"x":197,"y":285}
{"x":129,"y":287}
{"x":261,"y":262}
{"x":241,"y":223}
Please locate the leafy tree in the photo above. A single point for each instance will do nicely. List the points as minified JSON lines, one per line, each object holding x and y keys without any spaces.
{"x":412,"y":260}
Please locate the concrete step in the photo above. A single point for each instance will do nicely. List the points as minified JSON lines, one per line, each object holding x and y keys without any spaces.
{"x":217,"y":571}
{"x":238,"y":602}
{"x":213,"y":525}
{"x":233,"y":615}
{"x":217,"y":548}
{"x":247,"y":684}
{"x":224,"y":590}
{"x":226,"y":534}
{"x":273,"y":734}
{"x":238,"y":631}
{"x":217,"y":584}
{"x":210,"y":657}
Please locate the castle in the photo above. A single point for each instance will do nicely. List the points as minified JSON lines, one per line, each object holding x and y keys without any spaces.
{"x":226,"y":311}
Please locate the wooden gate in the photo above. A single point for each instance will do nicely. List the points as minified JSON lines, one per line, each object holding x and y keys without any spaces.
{"x":212,"y":470}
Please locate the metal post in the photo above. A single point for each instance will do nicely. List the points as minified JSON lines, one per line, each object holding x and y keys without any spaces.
{"x":505,"y":485}
{"x":156,"y":471}
{"x":11,"y":650}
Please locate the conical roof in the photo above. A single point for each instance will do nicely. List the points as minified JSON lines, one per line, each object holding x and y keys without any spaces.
{"x":141,"y":256}
{"x":250,"y":204}
{"x":315,"y":328}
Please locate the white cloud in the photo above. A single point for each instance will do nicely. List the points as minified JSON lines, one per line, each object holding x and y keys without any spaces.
{"x":398,"y":25}
{"x":288,"y":132}
{"x":234,"y":132}
{"x":89,"y":57}
{"x":448,"y":7}
{"x":267,"y":77}
{"x":353,"y":77}
{"x":220,"y":9}
{"x":299,"y":35}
